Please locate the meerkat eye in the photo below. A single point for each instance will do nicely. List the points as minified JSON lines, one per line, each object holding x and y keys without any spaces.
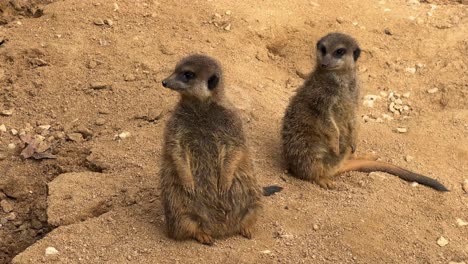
{"x":340,"y":52}
{"x":189,"y":75}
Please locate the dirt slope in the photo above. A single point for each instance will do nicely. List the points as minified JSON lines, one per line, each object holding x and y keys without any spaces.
{"x":91,"y":70}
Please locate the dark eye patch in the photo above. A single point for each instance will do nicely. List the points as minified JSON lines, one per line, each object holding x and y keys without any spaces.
{"x":323,"y":50}
{"x":186,"y":76}
{"x":340,"y":52}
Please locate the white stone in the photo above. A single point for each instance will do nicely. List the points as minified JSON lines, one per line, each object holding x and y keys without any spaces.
{"x":51,"y":251}
{"x":442,"y":241}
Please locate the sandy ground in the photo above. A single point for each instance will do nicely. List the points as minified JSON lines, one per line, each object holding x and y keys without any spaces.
{"x":80,"y":72}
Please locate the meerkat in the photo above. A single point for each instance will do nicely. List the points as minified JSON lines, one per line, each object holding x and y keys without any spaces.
{"x":319,"y":132}
{"x":207,"y":182}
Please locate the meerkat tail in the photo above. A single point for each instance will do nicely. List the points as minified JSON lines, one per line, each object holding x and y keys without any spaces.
{"x":370,"y":166}
{"x":270,"y":190}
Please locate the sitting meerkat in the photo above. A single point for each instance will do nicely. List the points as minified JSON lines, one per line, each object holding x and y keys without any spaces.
{"x":208,"y":185}
{"x":319,"y":132}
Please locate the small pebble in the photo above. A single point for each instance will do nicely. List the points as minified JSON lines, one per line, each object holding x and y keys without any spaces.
{"x":108,"y":22}
{"x":411,"y":70}
{"x":398,"y":101}
{"x":75,"y":137}
{"x":228,"y":12}
{"x":442,"y":241}
{"x":414,"y":184}
{"x":388,"y":32}
{"x":8,"y":112}
{"x":100,"y":86}
{"x":461,"y":222}
{"x":315,"y":227}
{"x":6,"y":206}
{"x":340,"y":20}
{"x":383,"y":94}
{"x":51,"y":251}
{"x":116,"y":7}
{"x":12,"y":146}
{"x":228,"y":27}
{"x":99,"y":22}
{"x":44,"y":127}
{"x":265,"y":251}
{"x":409,"y":158}
{"x":433,"y":90}
{"x":124,"y":135}
{"x":129,"y":77}
{"x":14,"y":132}
{"x":11,"y":216}
{"x":387,"y":117}
{"x":465,"y":185}
{"x":406,"y":95}
{"x":100,"y":121}
{"x":3,"y":128}
{"x":402,"y":129}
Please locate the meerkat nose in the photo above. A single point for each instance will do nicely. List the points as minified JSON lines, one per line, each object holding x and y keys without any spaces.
{"x":164,"y":83}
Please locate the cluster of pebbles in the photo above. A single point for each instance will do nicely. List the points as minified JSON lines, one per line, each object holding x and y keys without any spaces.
{"x":397,"y":104}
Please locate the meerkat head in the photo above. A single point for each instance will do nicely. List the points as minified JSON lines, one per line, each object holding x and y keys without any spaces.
{"x":197,"y":76}
{"x":337,"y":52}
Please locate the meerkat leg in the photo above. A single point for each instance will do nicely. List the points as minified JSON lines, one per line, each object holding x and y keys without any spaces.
{"x":192,"y":228}
{"x":181,"y":160}
{"x":318,"y":173}
{"x":248,"y":221}
{"x":229,"y":163}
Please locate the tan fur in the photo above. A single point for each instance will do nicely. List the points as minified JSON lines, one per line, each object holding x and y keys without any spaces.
{"x":320,"y":125}
{"x":207,"y":181}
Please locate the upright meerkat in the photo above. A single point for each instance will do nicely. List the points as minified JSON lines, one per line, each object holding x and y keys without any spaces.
{"x":319,"y":131}
{"x":207,"y":182}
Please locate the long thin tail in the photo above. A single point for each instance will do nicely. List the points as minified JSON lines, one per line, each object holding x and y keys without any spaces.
{"x":269,"y":190}
{"x":370,"y":166}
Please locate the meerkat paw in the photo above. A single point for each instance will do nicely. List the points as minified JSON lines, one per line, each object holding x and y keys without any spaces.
{"x":204,"y":238}
{"x":224,"y":186}
{"x":325,"y":183}
{"x":336,"y":148}
{"x":246,"y":232}
{"x":189,"y":187}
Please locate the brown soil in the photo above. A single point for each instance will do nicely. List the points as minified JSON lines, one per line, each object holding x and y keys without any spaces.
{"x":63,"y":65}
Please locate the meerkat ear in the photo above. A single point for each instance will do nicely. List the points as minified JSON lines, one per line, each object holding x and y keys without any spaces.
{"x":356,"y":53}
{"x":213,"y":82}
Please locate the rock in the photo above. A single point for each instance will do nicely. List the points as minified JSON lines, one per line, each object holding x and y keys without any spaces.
{"x":433,"y":90}
{"x":51,"y":251}
{"x":100,"y":86}
{"x":11,"y":216}
{"x":411,"y":70}
{"x":14,"y":132}
{"x":37,"y":62}
{"x":442,"y":241}
{"x":8,"y":112}
{"x":116,"y":7}
{"x":340,"y":20}
{"x":228,"y":12}
{"x":108,"y":22}
{"x":409,"y":158}
{"x":74,"y":197}
{"x":75,"y":137}
{"x":265,"y":252}
{"x":465,"y":185}
{"x":12,"y":146}
{"x":461,"y":222}
{"x":383,"y":94}
{"x":388,"y":32}
{"x":6,"y":206}
{"x":92,"y":64}
{"x":398,"y":101}
{"x":3,"y":128}
{"x":124,"y":135}
{"x":98,"y":22}
{"x":129,"y":77}
{"x":44,"y":127}
{"x":391,"y":107}
{"x":387,"y":117}
{"x":315,"y":227}
{"x":100,"y":121}
{"x":414,"y":184}
{"x":401,"y":129}
{"x":370,"y":99}
{"x":228,"y":27}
